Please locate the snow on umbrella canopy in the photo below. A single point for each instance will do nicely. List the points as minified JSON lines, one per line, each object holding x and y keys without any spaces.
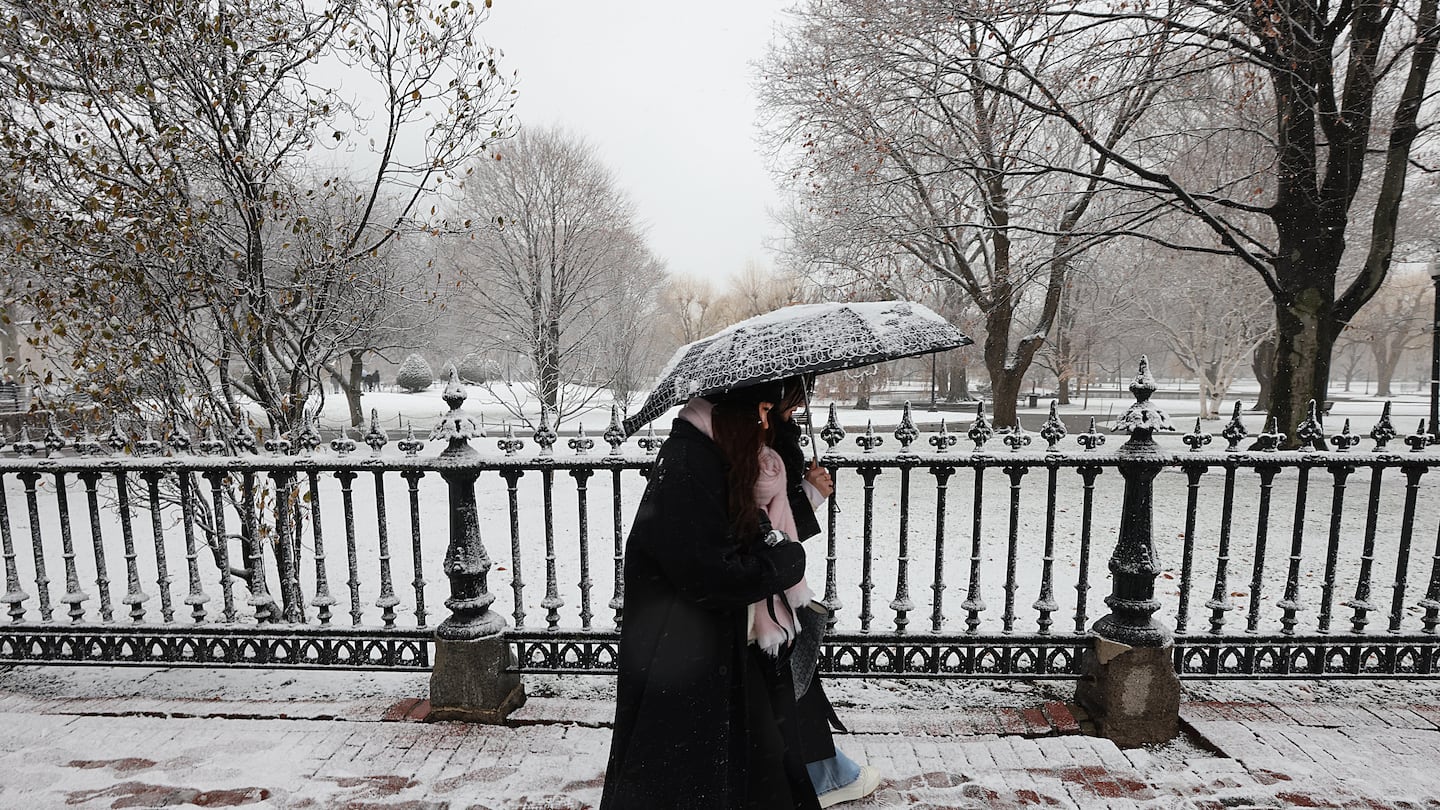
{"x":801,"y":339}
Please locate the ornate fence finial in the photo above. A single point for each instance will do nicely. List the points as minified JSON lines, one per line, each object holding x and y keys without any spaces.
{"x":832,"y":434}
{"x":179,"y":440}
{"x":116,"y":438}
{"x":508,"y":442}
{"x":1091,"y":438}
{"x":278,"y":444}
{"x":1344,"y":440}
{"x":1143,"y":418}
{"x":410,"y":445}
{"x":1195,"y":439}
{"x":581,"y":444}
{"x":1053,"y":430}
{"x":24,"y":446}
{"x":212,"y":444}
{"x":343,"y":444}
{"x":980,"y":431}
{"x":944,"y":440}
{"x":309,"y":437}
{"x":374,"y":436}
{"x":545,"y":436}
{"x":1383,"y":431}
{"x":1269,"y":440}
{"x":614,"y":434}
{"x":1017,"y":438}
{"x":868,"y":440}
{"x":88,"y":445}
{"x":1418,"y":440}
{"x":455,"y":428}
{"x":1234,"y":431}
{"x":54,"y":439}
{"x":1310,"y":433}
{"x":244,"y":438}
{"x":906,"y":433}
{"x":148,"y":446}
{"x":650,"y":443}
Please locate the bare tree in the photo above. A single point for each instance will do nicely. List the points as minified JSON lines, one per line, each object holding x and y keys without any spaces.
{"x":756,"y":291}
{"x":557,"y":266}
{"x":693,"y":308}
{"x":398,"y":316}
{"x":631,"y":343}
{"x":192,"y":259}
{"x":1210,"y":313}
{"x":170,"y":193}
{"x":1396,"y":321}
{"x":1294,"y":106}
{"x":910,"y":137}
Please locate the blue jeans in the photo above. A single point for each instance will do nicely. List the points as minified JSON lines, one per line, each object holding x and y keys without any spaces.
{"x":835,"y":772}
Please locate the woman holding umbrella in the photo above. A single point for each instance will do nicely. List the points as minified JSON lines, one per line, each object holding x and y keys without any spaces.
{"x":704,"y":718}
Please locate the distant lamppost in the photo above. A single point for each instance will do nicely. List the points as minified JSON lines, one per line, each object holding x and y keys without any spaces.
{"x":932,"y":373}
{"x":1435,"y":358}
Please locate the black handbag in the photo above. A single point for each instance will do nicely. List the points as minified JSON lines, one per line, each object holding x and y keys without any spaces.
{"x":805,"y":651}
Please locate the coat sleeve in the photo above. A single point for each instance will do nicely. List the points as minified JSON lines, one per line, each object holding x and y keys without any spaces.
{"x":685,"y":514}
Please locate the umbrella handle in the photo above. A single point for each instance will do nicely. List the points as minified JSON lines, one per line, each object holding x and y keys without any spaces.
{"x":810,"y":426}
{"x":810,"y":421}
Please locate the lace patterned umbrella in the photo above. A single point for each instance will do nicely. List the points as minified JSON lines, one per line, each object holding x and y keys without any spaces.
{"x":802,"y":339}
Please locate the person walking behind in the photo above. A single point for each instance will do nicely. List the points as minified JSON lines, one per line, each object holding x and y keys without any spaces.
{"x":704,"y":720}
{"x":806,"y":485}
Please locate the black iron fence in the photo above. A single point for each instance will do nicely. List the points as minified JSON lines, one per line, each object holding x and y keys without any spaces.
{"x":952,"y":553}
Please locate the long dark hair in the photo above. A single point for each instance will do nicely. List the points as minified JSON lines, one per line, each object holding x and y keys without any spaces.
{"x":784,"y":434}
{"x":736,"y":425}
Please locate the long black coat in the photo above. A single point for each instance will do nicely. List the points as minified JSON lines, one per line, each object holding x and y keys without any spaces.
{"x":702,"y":718}
{"x":814,"y":714}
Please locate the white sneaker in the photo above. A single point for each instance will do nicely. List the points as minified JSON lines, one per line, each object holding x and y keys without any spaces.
{"x":863,"y":786}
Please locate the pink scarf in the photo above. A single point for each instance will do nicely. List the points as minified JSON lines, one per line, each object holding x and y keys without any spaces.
{"x":770,"y":495}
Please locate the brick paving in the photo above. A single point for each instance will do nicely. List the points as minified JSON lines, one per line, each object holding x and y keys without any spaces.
{"x":1252,"y":746}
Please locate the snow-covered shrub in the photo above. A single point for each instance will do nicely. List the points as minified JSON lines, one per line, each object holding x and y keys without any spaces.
{"x":476,"y":369}
{"x":414,"y":374}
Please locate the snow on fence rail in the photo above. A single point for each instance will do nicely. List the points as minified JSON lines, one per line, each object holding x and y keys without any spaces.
{"x":937,"y":560}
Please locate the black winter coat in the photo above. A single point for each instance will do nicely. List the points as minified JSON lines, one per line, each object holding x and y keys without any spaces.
{"x":703,"y":719}
{"x":787,"y":445}
{"x":814,"y":714}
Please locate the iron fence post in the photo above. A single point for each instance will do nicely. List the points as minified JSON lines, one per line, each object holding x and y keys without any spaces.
{"x":1128,"y":680}
{"x":473,"y":677}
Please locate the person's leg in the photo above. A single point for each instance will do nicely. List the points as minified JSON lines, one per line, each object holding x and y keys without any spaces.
{"x":835,"y":772}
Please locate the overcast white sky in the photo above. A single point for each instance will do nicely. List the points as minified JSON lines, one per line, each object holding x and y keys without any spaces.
{"x":662,"y":88}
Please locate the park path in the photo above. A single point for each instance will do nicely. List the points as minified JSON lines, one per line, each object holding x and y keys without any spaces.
{"x":274,"y":742}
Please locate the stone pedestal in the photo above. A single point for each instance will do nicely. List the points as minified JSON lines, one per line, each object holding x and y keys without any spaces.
{"x":469,"y":681}
{"x":1131,"y":692}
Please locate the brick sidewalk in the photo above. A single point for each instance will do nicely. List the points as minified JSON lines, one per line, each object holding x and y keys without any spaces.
{"x":1372,"y":751}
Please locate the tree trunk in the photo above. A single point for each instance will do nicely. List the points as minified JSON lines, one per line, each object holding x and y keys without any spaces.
{"x":1005,"y":391}
{"x":1304,"y":341}
{"x":1262,"y":362}
{"x":959,"y":384}
{"x":1385,"y":363}
{"x":1007,"y":371}
{"x":354,"y":386}
{"x":1064,"y":348}
{"x":862,"y":392}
